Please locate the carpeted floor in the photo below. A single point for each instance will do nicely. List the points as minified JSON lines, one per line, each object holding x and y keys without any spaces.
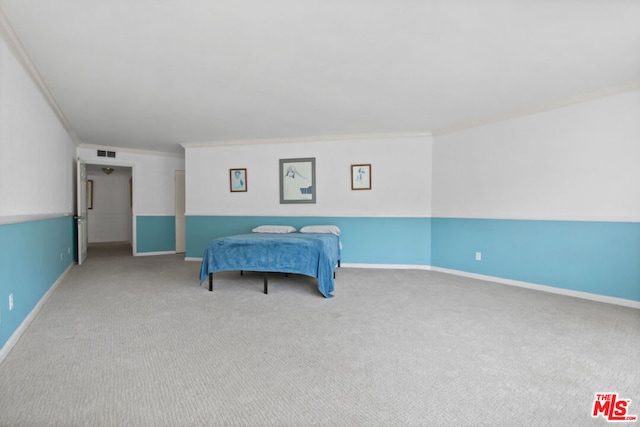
{"x":128,"y":341}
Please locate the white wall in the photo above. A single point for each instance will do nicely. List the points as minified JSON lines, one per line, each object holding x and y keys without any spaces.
{"x":110,"y":219}
{"x":36,"y":152}
{"x":401,"y":178}
{"x":153,"y":177}
{"x":581,"y":162}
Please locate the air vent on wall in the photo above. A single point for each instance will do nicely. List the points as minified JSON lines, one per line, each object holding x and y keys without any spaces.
{"x":103,"y":153}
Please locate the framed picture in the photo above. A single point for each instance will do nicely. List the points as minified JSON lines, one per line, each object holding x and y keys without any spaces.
{"x":238,"y":180}
{"x":90,"y":194}
{"x":298,"y":180}
{"x":361,"y":177}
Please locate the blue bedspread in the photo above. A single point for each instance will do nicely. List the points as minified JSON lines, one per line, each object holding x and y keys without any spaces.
{"x":314,"y":255}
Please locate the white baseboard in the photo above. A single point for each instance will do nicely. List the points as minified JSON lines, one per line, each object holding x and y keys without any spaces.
{"x":544,"y":288}
{"x":388,"y":266}
{"x":154,"y":253}
{"x":13,"y":339}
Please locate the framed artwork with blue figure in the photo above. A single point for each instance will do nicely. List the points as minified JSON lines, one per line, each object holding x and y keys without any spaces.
{"x":238,"y":180}
{"x":361,"y":177}
{"x":298,"y":180}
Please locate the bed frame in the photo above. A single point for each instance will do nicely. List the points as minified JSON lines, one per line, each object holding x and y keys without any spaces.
{"x":265,"y":277}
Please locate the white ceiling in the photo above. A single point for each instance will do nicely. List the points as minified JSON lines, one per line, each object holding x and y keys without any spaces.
{"x":151,"y":74}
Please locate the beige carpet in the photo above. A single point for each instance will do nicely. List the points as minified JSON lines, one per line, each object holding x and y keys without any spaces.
{"x":127,"y":341}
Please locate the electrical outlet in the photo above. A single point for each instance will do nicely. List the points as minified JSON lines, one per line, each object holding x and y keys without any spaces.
{"x":10,"y":302}
{"x":478,"y":256}
{"x":69,"y":250}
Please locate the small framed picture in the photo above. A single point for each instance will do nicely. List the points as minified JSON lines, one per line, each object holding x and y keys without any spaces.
{"x":361,"y":177}
{"x":297,"y":180}
{"x":238,"y":180}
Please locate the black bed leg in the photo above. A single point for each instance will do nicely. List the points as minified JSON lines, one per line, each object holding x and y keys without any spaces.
{"x":210,"y":282}
{"x":265,"y":283}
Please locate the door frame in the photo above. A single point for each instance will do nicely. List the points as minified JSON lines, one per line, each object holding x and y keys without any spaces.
{"x":113,"y":162}
{"x":180,"y":192}
{"x":82,"y":228}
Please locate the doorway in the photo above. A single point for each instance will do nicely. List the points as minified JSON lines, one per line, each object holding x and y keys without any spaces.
{"x":109,"y":207}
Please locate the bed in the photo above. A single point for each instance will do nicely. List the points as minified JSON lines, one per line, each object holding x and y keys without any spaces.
{"x":312,"y":254}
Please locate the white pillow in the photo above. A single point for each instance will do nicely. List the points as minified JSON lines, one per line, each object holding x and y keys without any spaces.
{"x":274,"y":229}
{"x":333,"y":229}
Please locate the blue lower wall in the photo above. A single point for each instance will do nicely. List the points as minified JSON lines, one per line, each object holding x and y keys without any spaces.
{"x":33,"y":255}
{"x":155,"y":233}
{"x":601,"y":258}
{"x":369,"y":240}
{"x":596,"y":257}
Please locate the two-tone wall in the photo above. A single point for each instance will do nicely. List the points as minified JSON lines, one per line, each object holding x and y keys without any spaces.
{"x":36,"y":196}
{"x":389,"y":224}
{"x":550,"y":199}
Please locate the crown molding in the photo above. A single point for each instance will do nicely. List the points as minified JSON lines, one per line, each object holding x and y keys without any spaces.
{"x":14,"y":43}
{"x":304,"y":139}
{"x":603,"y":93}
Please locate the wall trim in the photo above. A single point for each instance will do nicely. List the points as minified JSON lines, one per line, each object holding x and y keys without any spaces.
{"x":155,"y":253}
{"x":388,"y":266}
{"x":15,"y":219}
{"x":15,"y":337}
{"x":600,"y":94}
{"x":256,"y":213}
{"x":586,"y":218}
{"x":15,"y":45}
{"x":302,"y":139}
{"x":533,"y":286}
{"x":543,"y":288}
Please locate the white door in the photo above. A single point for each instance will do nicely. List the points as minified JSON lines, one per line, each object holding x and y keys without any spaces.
{"x":181,"y":240}
{"x":81,"y":217}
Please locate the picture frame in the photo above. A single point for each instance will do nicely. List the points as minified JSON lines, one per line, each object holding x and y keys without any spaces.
{"x":298,"y":180}
{"x":361,"y":176}
{"x":238,"y":180}
{"x":89,"y":194}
